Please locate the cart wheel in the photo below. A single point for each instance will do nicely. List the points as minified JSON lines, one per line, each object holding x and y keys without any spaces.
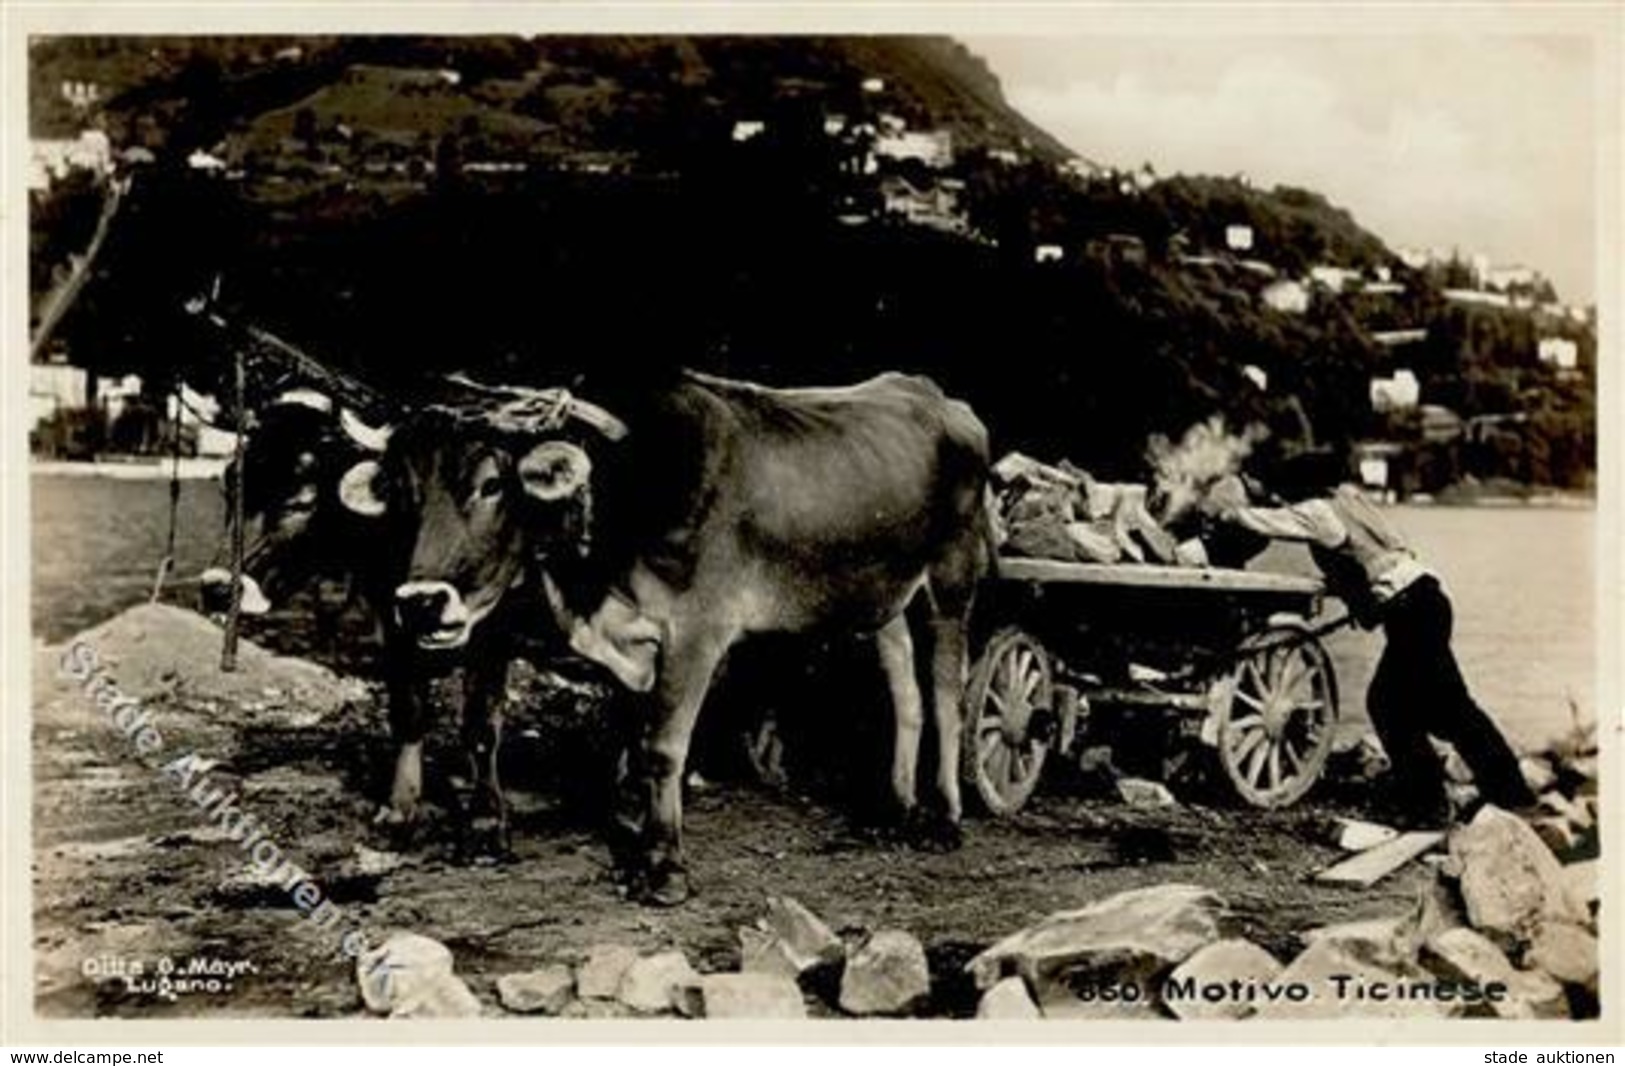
{"x":1275,"y":731}
{"x":1003,"y":753}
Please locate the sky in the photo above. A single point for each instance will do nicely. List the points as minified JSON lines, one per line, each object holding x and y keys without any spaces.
{"x":1478,"y":143}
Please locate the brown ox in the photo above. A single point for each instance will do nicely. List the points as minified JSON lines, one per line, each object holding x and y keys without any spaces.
{"x":723,"y":509}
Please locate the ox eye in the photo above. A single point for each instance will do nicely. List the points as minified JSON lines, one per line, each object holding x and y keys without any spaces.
{"x":490,"y":486}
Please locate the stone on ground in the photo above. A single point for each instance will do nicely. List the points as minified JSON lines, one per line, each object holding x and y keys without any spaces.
{"x":1564,"y":951}
{"x":808,"y":941}
{"x":1464,"y":956}
{"x":1537,"y":773}
{"x":443,"y":995}
{"x":1216,"y":966}
{"x":655,"y":984}
{"x":764,"y":953}
{"x":1580,"y":878}
{"x":600,"y":975}
{"x":543,"y":991}
{"x":747,"y":996}
{"x":887,"y":974}
{"x":1008,"y":1001}
{"x":1355,"y":835}
{"x":1336,"y":977}
{"x":1381,"y":940}
{"x":392,"y":973}
{"x":1509,"y":879}
{"x":1133,"y":935}
{"x":1138,"y":792}
{"x":1578,"y":814}
{"x":1545,"y":996}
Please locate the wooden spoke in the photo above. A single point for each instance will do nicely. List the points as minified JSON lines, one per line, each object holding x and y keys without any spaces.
{"x":1011,"y":678}
{"x":1247,"y":743}
{"x":1255,"y":762}
{"x":997,"y":699}
{"x":1251,"y":701}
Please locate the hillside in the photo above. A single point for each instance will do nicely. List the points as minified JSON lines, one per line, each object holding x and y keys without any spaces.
{"x":588,"y":209}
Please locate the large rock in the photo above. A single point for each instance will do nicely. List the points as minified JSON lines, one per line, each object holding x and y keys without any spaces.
{"x":1509,"y":879}
{"x":1138,"y":792}
{"x":1471,"y":960}
{"x":1204,"y":986}
{"x":1565,"y":951}
{"x":657,"y":984}
{"x":1580,"y":879}
{"x":747,"y":996}
{"x":1131,"y":936}
{"x":886,"y":975}
{"x":1382,"y":940}
{"x":596,"y":1009}
{"x":600,"y":975}
{"x":1336,"y":983}
{"x":544,"y":991}
{"x":808,"y":942}
{"x":1437,"y":908}
{"x":441,"y":996}
{"x":397,"y":969}
{"x":1544,"y":996}
{"x":764,"y":953}
{"x":1008,"y":1001}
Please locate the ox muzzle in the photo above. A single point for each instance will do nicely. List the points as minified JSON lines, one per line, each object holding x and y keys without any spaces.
{"x":434,"y":614}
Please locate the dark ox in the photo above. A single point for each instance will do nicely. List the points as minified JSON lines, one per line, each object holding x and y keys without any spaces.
{"x":299,"y":465}
{"x":728,"y":509}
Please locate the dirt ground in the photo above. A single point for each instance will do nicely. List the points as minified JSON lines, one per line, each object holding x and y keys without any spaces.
{"x":128,"y":870}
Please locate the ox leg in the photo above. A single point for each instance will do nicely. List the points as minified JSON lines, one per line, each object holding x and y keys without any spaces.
{"x":948,"y":668}
{"x":953,"y":590}
{"x":687,"y":665}
{"x":897,"y":660}
{"x":483,"y":680}
{"x":405,"y":690}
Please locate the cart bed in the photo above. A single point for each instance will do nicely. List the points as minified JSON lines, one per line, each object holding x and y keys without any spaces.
{"x":1145,"y":575}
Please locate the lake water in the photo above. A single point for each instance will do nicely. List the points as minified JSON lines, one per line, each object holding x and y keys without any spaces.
{"x":1523,"y":582}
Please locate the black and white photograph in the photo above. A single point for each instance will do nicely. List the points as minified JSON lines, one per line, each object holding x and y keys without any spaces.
{"x":958,"y":521}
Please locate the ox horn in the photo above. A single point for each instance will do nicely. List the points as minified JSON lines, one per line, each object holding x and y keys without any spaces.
{"x":597,"y":417}
{"x":372,"y":438}
{"x":554,"y":470}
{"x":358,"y":489}
{"x":303,"y":397}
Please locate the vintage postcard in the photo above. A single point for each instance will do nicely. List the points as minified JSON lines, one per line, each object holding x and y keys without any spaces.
{"x":910,"y":524}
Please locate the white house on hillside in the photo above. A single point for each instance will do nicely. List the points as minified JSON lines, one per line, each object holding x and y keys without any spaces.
{"x":1559,"y":352}
{"x":1398,"y":393}
{"x":1287,"y":296}
{"x":934,"y":148}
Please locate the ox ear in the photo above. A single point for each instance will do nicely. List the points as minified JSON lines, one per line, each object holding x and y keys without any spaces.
{"x":358,"y":489}
{"x":372,"y":438}
{"x":554,"y":470}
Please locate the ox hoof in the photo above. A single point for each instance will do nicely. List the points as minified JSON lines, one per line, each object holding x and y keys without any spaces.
{"x":665,"y":886}
{"x":928,"y":831}
{"x":397,"y":828}
{"x":484,"y":842}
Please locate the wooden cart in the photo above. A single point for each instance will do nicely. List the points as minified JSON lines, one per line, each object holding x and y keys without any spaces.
{"x":1232,"y":653}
